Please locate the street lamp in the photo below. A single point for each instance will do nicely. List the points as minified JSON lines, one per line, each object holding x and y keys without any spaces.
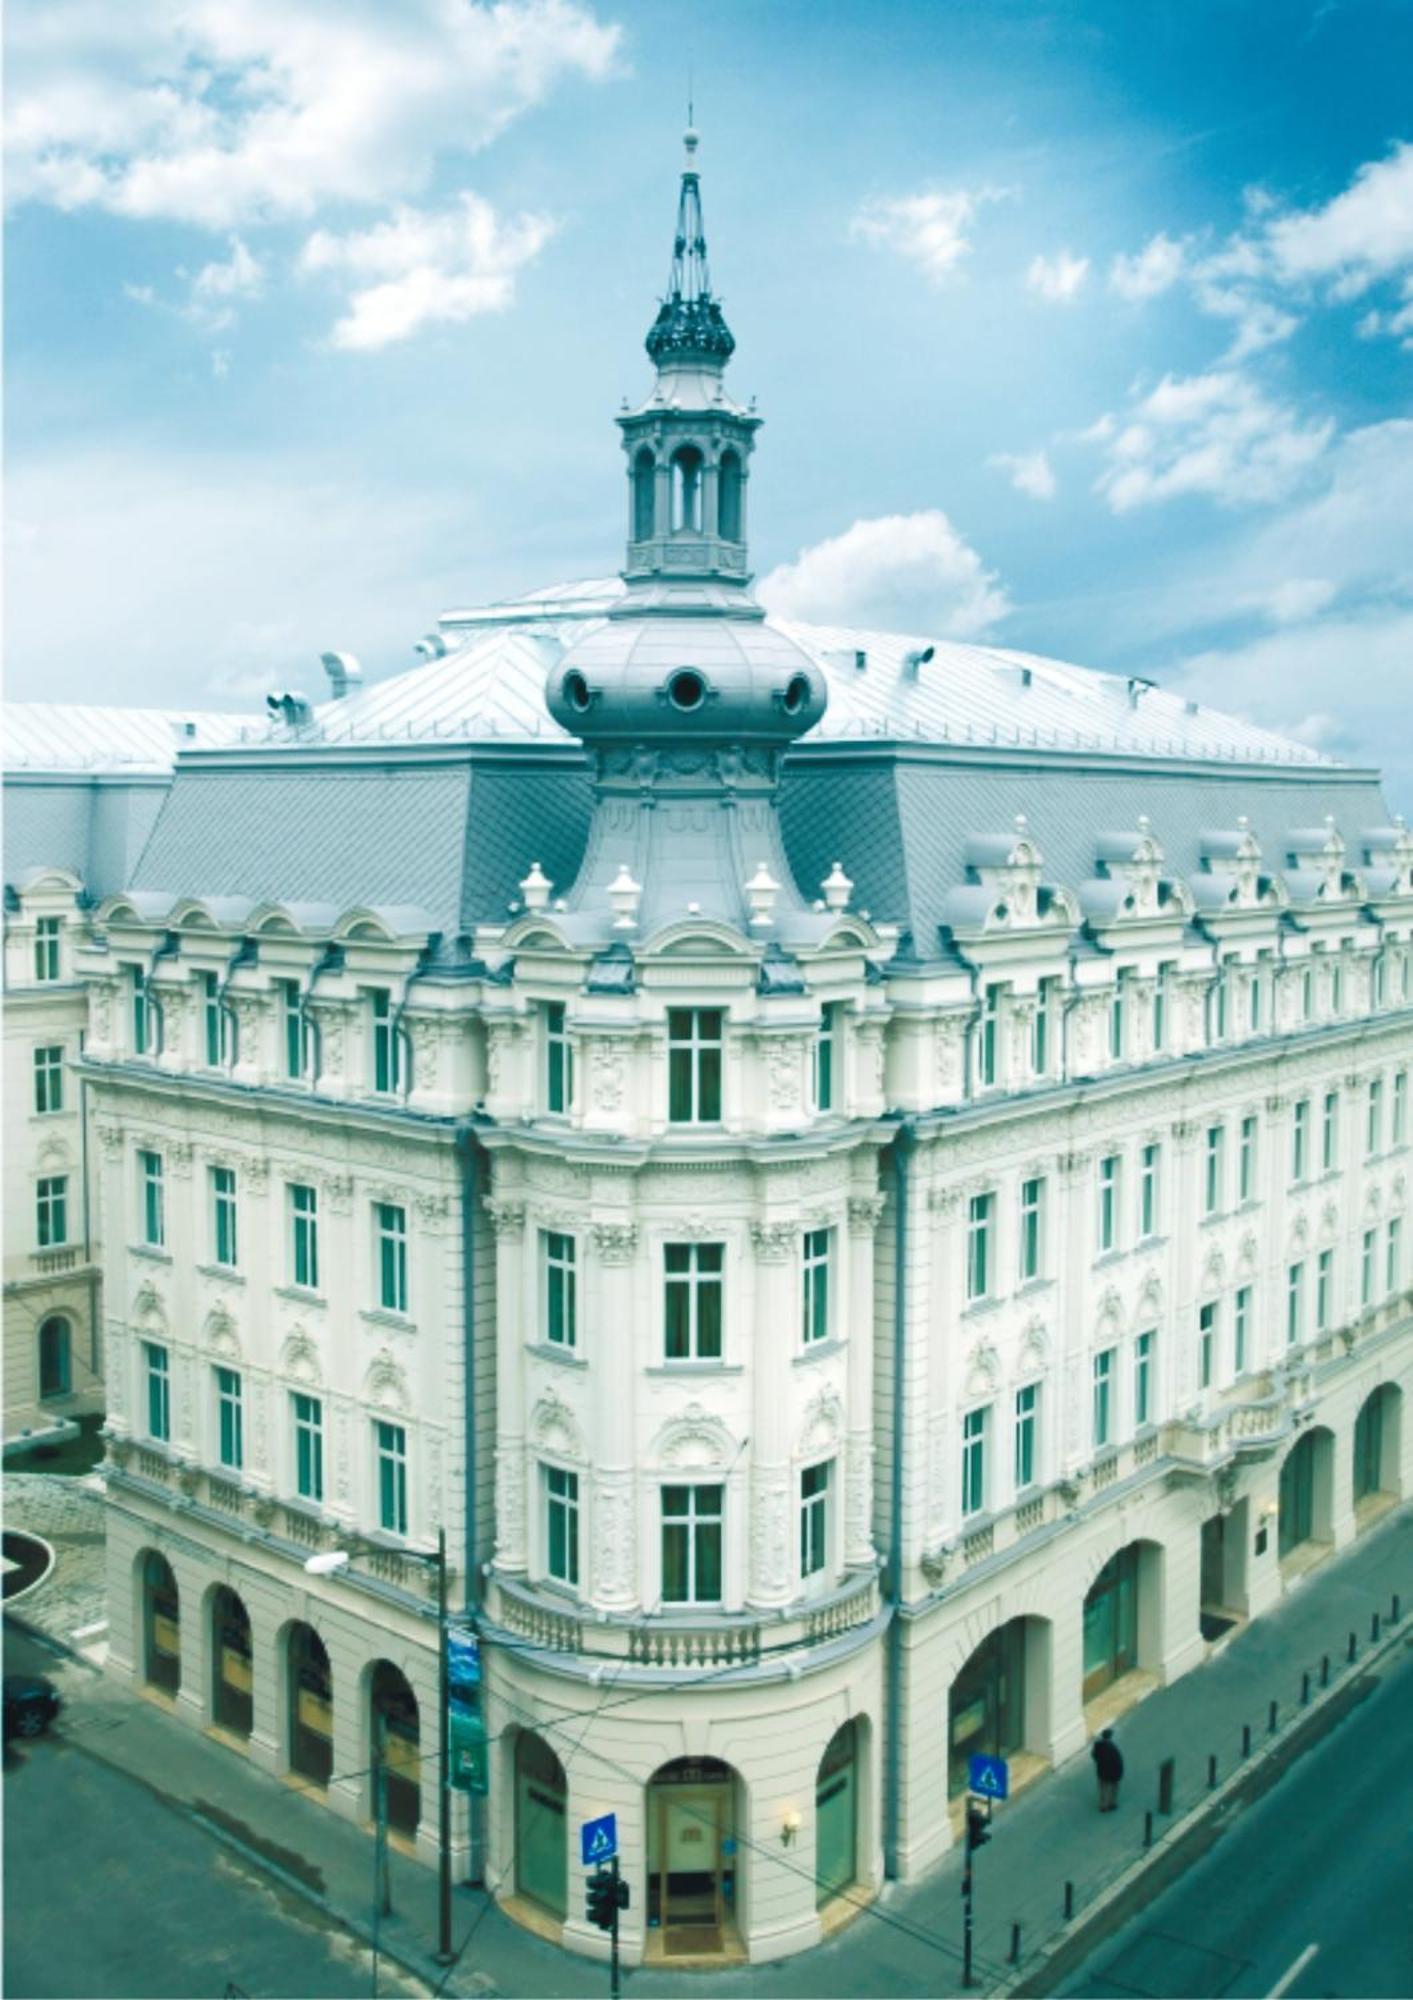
{"x":328,"y":1563}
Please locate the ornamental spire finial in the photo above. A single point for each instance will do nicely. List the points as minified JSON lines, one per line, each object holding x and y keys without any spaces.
{"x":689,"y":329}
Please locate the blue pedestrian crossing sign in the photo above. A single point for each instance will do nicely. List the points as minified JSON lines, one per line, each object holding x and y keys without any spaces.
{"x":990,"y":1777}
{"x":598,"y":1839}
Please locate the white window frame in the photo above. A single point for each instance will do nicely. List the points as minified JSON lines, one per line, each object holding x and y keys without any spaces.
{"x":988,"y":1047}
{"x":1295,"y":1303}
{"x":1368,"y":1263}
{"x":1027,"y":1436}
{"x":697,"y":1046}
{"x":559,"y":1060}
{"x":48,"y":964}
{"x":1214,"y":1170}
{"x":48,"y":1079}
{"x":980,"y":1261}
{"x":1150,"y":1167}
{"x":1299,"y":1141}
{"x":1144,"y":1353}
{"x":817,"y":1256}
{"x":157,"y":1388}
{"x":1031,"y":1244}
{"x":825,"y":1068}
{"x":390,"y":1480}
{"x":1329,"y":1132}
{"x":1241,"y":1328}
{"x":390,"y":1253}
{"x":816,"y":1491}
{"x":1102,"y":1376}
{"x":1374,"y":1127}
{"x":307,"y":1426}
{"x":152,"y":1198}
{"x":230,"y":1418}
{"x":1400,"y":1107}
{"x":975,"y":1470}
{"x":303,"y":1200}
{"x":385,"y":1042}
{"x":1208,"y":1318}
{"x":51,"y":1211}
{"x":697,"y":1518}
{"x":559,"y":1488}
{"x":1247,"y":1158}
{"x":1110,"y":1183}
{"x":225,"y":1219}
{"x":695,"y":1277}
{"x":559,"y":1263}
{"x":1393,"y":1254}
{"x":1324,"y":1289}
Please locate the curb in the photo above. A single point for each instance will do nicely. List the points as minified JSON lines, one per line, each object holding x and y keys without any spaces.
{"x":1074,"y":1938}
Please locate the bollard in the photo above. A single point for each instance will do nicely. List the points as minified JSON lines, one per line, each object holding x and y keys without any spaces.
{"x":1246,"y":1739}
{"x":1165,"y":1784}
{"x":1394,"y":1610}
{"x":1324,"y":1670}
{"x":1212,"y":1773}
{"x":1374,"y":1629}
{"x":1014,"y":1955}
{"x":1069,"y":1901}
{"x":1271,"y":1724}
{"x":1148,"y":1829}
{"x":1353,"y":1645}
{"x":1305,"y":1690}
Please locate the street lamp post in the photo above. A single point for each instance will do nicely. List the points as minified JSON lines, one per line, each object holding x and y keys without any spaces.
{"x":328,"y":1563}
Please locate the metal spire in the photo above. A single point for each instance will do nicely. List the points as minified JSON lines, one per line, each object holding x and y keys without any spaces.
{"x":689,"y":327}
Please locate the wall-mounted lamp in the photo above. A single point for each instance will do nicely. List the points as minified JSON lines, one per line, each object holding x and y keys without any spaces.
{"x":789,"y":1827}
{"x":1271,"y":1509}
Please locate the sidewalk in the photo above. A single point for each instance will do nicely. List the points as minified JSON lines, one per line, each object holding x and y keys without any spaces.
{"x":909,"y":1941}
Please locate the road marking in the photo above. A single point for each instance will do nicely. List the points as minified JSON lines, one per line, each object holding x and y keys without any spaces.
{"x":1284,"y":1985}
{"x":89,"y":1631}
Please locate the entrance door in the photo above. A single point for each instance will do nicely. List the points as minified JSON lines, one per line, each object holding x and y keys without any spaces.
{"x":311,"y":1695}
{"x":836,"y":1816}
{"x":233,"y":1694}
{"x":1214,"y":1567}
{"x":1368,"y":1447}
{"x":541,"y":1847}
{"x":54,"y":1373}
{"x":1111,"y":1623}
{"x":164,"y":1626}
{"x":1297,"y":1496}
{"x":692,"y":1856}
{"x":986,"y":1708}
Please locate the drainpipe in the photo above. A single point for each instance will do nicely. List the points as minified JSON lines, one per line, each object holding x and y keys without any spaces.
{"x":1072,"y":1000}
{"x":247,"y":952}
{"x":903,"y":1144}
{"x":331,"y":960}
{"x":419,"y":971}
{"x":468,"y":1156}
{"x":156,"y":1013}
{"x":969,"y":1034}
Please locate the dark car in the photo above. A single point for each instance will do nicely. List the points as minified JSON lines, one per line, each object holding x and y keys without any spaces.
{"x":31,"y":1704}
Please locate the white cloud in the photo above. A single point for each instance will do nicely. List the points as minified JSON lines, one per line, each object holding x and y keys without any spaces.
{"x":1364,"y":233}
{"x":420,"y":269}
{"x":1030,"y":472}
{"x":228,"y":112}
{"x":1151,"y":271}
{"x":1215,"y":434}
{"x":1059,"y":278}
{"x":1293,"y":600}
{"x":218,"y":286}
{"x":930,"y":230}
{"x":903,"y":572}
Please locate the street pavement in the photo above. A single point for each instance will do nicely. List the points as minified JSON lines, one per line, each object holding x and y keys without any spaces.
{"x":1307,"y":1891}
{"x":906,"y":1942}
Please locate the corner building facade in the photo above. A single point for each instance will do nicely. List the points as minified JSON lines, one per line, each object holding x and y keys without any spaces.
{"x":844,"y":1323}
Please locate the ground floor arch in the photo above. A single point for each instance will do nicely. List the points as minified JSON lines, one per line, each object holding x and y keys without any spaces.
{"x":693,"y":1852}
{"x":160,"y":1623}
{"x":541,"y":1826}
{"x":1377,"y":1446}
{"x":310,"y":1743}
{"x":56,"y":1357}
{"x":232,"y":1663}
{"x":840,"y":1792}
{"x":1306,"y":1494}
{"x":396,"y":1742}
{"x":1123,"y":1618}
{"x":1000,"y":1701}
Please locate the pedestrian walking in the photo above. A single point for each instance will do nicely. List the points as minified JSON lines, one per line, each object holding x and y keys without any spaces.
{"x":1109,"y":1763}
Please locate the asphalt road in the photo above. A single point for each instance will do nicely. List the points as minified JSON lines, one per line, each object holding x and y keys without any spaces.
{"x":112,"y":1891}
{"x":1307,"y":1892}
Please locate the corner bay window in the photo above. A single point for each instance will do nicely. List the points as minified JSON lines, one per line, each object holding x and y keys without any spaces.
{"x":391,"y":1223}
{"x":694,"y":1065}
{"x":562,"y":1524}
{"x":692,"y":1301}
{"x":390,"y":1450}
{"x":561,"y":1288}
{"x":814,"y":1519}
{"x":308,"y":1413}
{"x":691,"y":1544}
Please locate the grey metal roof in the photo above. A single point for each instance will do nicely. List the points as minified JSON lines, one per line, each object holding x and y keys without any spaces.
{"x":73,"y":737}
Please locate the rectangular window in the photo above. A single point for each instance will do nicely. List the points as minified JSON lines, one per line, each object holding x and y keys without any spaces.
{"x":46,"y":949}
{"x":1206,"y":1343}
{"x":1160,"y":1010}
{"x":1241,"y":1329}
{"x":296,"y":1031}
{"x":1299,"y":1138}
{"x":1366,"y":1267}
{"x":1246,"y":1171}
{"x":974,"y":1462}
{"x":1149,"y":1161}
{"x":1400,"y":1107}
{"x":1307,"y":995}
{"x":1108,"y":1201}
{"x":390,"y":1225}
{"x":1103,"y":1397}
{"x":1032,"y":1228}
{"x":304,"y":1236}
{"x":814,"y":1519}
{"x":51,"y":1197}
{"x":1040,"y":1028}
{"x":223,"y":1216}
{"x":213,"y":1016}
{"x":560,"y":1255}
{"x":559,"y":1059}
{"x":979,"y":1216}
{"x":1212,"y":1172}
{"x":154,"y":1206}
{"x":562,"y":1524}
{"x":49,"y":1078}
{"x":692,"y":1301}
{"x":1219,"y":1006}
{"x":1027,"y":1435}
{"x":1116,"y":1018}
{"x":1336,"y":988}
{"x":1253,"y":994}
{"x":824,"y":1048}
{"x":694,"y":1036}
{"x":230,"y":1443}
{"x":1393,"y":1266}
{"x":1324,"y":1290}
{"x":390,"y":1448}
{"x":159,"y":1391}
{"x":1374,"y":1136}
{"x":691,"y":1544}
{"x":1329,"y":1132}
{"x":140,"y":1021}
{"x":1143,"y":1378}
{"x":816,"y":1286}
{"x":308,"y":1446}
{"x":1376,"y":984}
{"x":988,"y":1053}
{"x":1295,"y":1303}
{"x":387,"y":1065}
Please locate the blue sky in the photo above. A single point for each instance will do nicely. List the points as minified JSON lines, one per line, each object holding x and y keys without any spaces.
{"x":1084,"y":327}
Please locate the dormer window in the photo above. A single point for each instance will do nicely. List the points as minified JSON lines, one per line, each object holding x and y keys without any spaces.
{"x":387,"y":1064}
{"x":559,"y":1060}
{"x":141,"y":1021}
{"x":218,"y":1024}
{"x":687,"y":490}
{"x":694,"y":1065}
{"x":824,"y":1049}
{"x":988,"y":1054}
{"x":46,"y":948}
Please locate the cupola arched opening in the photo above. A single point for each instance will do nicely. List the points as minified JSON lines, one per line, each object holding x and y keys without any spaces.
{"x":687,"y":490}
{"x":728,"y":502}
{"x":644,"y":495}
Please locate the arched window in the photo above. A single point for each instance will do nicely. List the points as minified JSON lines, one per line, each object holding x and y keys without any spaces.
{"x":541,"y":1827}
{"x":397,"y":1744}
{"x":311,"y":1705}
{"x":161,"y":1607}
{"x":55,"y":1362}
{"x":687,"y":490}
{"x":728,"y":502}
{"x":644,"y":495}
{"x":233,"y":1679}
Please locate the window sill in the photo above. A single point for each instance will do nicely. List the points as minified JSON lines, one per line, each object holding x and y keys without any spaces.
{"x":227,"y":1273}
{"x":563,"y":1357}
{"x":978,"y":1308}
{"x":385,"y":1316}
{"x":1106,"y":1257}
{"x":1028,"y":1287}
{"x":151,"y":1252}
{"x":1153,"y":1241}
{"x":819,"y":1350}
{"x":302,"y":1295}
{"x":669,"y":1368}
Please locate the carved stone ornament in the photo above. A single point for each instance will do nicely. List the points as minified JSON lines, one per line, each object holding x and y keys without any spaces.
{"x":110,"y":1138}
{"x":256,"y":1175}
{"x":944,"y":1201}
{"x":220,"y":1333}
{"x":147,"y":1306}
{"x":864,"y":1213}
{"x":179,"y":1159}
{"x":608,"y":1074}
{"x":338,"y":1194}
{"x":510,"y":1505}
{"x":385,"y":1384}
{"x":933,"y":1565}
{"x":822,"y":1423}
{"x":774,"y":1241}
{"x":554,"y":1428}
{"x":1034,"y":1348}
{"x":614,"y":1542}
{"x":1224,"y":1483}
{"x":983,"y":1370}
{"x":782,"y":1069}
{"x":507,"y":1215}
{"x":615,"y":1242}
{"x":858,"y":1498}
{"x":299,"y":1359}
{"x":426,"y":1038}
{"x":770,"y":1534}
{"x":100,"y":1005}
{"x":694,"y":1440}
{"x":432,"y":1209}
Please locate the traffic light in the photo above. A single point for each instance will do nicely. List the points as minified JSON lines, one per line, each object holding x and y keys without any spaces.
{"x":978,"y":1829}
{"x":605,"y":1895}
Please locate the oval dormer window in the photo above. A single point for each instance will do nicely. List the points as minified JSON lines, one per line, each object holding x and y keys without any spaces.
{"x":576,"y":690}
{"x":686,"y":690}
{"x":796,"y":694}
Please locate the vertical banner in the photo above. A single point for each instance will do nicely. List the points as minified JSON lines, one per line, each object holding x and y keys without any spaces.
{"x":466,"y":1728}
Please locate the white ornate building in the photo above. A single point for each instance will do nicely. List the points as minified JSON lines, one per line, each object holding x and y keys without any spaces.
{"x":864,"y":1181}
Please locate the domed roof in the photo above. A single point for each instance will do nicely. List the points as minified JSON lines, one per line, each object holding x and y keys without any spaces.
{"x":684,"y":680}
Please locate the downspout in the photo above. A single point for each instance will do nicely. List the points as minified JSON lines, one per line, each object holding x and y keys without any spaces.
{"x":904,"y":1141}
{"x":419,"y":971}
{"x":969,"y":1033}
{"x":468,"y":1159}
{"x":156,"y":1012}
{"x":247,"y":952}
{"x":1072,"y":1000}
{"x":331,"y":960}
